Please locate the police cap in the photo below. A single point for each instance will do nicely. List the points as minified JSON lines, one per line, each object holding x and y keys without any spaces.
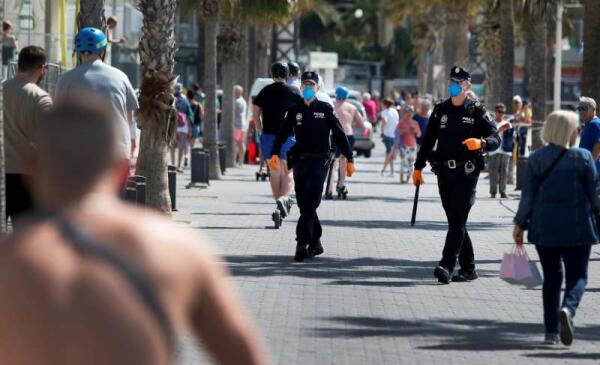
{"x":310,"y":76}
{"x":458,"y":73}
{"x":280,"y":70}
{"x":294,"y":68}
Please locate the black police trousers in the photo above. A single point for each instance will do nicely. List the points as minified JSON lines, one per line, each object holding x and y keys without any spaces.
{"x":309,"y":177}
{"x":457,"y":190}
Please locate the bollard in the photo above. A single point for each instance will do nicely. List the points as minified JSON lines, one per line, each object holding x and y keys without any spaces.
{"x":521,"y":169}
{"x":199,"y":166}
{"x":140,"y":187}
{"x":130,"y":192}
{"x":223,"y":157}
{"x":172,"y":171}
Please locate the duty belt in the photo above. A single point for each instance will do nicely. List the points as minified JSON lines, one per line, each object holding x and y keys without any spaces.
{"x":452,"y":164}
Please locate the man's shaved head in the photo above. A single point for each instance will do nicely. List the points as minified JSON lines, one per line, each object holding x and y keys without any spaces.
{"x":77,"y":145}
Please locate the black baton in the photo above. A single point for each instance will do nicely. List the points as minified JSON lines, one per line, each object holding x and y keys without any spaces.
{"x":415,"y":204}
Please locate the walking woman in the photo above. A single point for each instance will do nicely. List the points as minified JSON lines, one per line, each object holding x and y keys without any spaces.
{"x":390,"y":118}
{"x":560,"y":194}
{"x":9,"y":46}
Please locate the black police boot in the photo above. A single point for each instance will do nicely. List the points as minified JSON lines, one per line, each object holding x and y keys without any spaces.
{"x":315,"y":249}
{"x":442,"y":274}
{"x":464,"y":275}
{"x":301,"y":252}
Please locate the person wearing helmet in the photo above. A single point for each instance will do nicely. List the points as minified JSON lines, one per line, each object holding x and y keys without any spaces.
{"x":269,"y":110}
{"x":349,"y":117}
{"x":92,"y":78}
{"x":294,"y":77}
{"x":313,"y":122}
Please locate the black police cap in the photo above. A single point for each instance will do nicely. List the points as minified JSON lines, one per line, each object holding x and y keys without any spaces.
{"x":280,"y":70}
{"x":458,"y":73}
{"x":310,"y":76}
{"x":294,"y":68}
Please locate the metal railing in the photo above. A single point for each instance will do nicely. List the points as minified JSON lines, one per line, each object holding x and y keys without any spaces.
{"x":50,"y":80}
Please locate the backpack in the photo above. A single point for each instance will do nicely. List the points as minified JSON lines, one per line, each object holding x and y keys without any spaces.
{"x":181,"y":119}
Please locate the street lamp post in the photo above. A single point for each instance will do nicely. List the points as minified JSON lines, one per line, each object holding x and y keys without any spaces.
{"x":558,"y":57}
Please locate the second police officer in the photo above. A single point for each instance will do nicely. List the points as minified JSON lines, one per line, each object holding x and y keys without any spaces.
{"x":463,"y":131}
{"x":312,"y":121}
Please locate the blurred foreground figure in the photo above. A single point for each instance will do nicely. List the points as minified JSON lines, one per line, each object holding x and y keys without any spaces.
{"x":92,"y":280}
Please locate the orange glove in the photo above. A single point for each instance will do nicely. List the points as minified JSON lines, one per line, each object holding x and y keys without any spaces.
{"x":473,"y":144}
{"x":350,"y":169}
{"x":418,"y":178}
{"x":274,"y":163}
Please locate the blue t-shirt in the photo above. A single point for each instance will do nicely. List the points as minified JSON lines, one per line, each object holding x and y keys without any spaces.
{"x":590,"y":136}
{"x":422,"y":125}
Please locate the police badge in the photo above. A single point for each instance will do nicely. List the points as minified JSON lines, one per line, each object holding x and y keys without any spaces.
{"x":298,"y":118}
{"x":444,"y":119}
{"x":469,"y":167}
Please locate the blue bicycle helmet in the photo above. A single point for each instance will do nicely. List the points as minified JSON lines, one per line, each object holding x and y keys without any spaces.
{"x":341,"y":93}
{"x":90,"y":40}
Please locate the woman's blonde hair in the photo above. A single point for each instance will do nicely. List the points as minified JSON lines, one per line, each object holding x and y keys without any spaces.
{"x":559,"y":128}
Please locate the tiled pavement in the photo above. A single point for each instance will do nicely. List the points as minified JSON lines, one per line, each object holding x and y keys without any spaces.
{"x":371,"y":298}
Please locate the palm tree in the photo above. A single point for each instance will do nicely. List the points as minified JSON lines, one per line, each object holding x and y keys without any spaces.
{"x":491,"y":45}
{"x":507,"y":52}
{"x":535,"y":16}
{"x":91,"y":14}
{"x":157,"y":115}
{"x":210,"y":12}
{"x":229,"y":44}
{"x":590,"y":83}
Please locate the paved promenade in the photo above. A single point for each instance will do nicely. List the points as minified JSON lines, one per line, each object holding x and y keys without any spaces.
{"x":371,"y":298}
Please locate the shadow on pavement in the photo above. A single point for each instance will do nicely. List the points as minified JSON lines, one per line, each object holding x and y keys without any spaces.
{"x":454,"y":334}
{"x":356,"y":271}
{"x":420,"y":225}
{"x":233,"y":213}
{"x":565,"y":355}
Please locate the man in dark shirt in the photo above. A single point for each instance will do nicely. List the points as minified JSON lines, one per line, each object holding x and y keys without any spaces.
{"x":272,"y":103}
{"x":312,"y":121}
{"x":463,"y":129}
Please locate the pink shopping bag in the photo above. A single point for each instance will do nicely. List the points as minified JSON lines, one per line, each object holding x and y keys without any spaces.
{"x":517,"y":269}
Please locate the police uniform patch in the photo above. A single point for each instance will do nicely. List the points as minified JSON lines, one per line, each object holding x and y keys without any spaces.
{"x":444,"y":119}
{"x":456,"y":70}
{"x":299,"y":117}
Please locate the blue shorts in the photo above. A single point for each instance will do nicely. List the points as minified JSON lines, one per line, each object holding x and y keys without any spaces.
{"x":389,"y":143}
{"x":266,"y":145}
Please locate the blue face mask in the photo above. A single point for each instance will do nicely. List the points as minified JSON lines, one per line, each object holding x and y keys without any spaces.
{"x":454,"y":90}
{"x":308,"y":93}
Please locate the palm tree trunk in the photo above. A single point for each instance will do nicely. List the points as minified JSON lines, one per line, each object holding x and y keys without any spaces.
{"x":536,"y":50}
{"x":421,"y":68}
{"x":210,"y":140}
{"x":263,"y":50}
{"x":157,"y":115}
{"x":590,"y":83}
{"x":229,"y":45}
{"x":507,"y":59}
{"x":491,"y":44}
{"x":242,"y":65}
{"x":456,"y":29}
{"x":2,"y":167}
{"x":91,"y":14}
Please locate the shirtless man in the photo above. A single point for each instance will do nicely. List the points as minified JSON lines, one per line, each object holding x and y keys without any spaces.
{"x":349,"y":117}
{"x":93,"y":280}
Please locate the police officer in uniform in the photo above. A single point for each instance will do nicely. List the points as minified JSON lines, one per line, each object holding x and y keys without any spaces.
{"x":312,"y":121}
{"x":463,"y":130}
{"x":270,"y":107}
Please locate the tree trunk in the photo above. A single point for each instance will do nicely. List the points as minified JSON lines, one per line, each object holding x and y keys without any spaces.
{"x":422,"y":69}
{"x":210,"y":140}
{"x":157,"y":116}
{"x":456,"y":46}
{"x":243,"y":64}
{"x":91,"y":14}
{"x":536,"y":50}
{"x":263,"y":50}
{"x":491,"y":45}
{"x":2,"y":167}
{"x":252,"y":67}
{"x":229,"y":40}
{"x":507,"y":59}
{"x":590,"y":83}
{"x":200,"y":54}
